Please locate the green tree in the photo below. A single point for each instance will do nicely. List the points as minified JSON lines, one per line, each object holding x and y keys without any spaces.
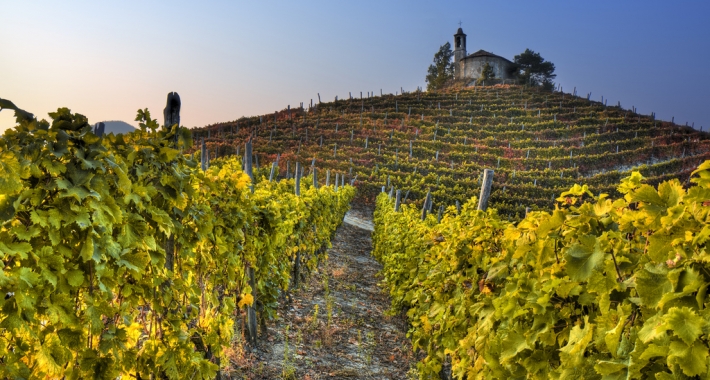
{"x":534,"y":70}
{"x":487,"y":72}
{"x":442,"y":71}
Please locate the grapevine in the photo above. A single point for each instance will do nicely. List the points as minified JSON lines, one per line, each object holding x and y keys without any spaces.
{"x":85,"y":220}
{"x":596,"y":288}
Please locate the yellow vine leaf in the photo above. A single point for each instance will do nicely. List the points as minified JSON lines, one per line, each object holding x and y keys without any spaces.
{"x":247,"y":299}
{"x":425,"y":323}
{"x":243,"y":181}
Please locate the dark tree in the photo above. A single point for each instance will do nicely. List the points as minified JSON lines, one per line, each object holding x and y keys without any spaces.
{"x":534,"y":70}
{"x":442,"y":71}
{"x":487,"y":72}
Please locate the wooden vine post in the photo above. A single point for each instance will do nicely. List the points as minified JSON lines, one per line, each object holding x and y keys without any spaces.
{"x":485,"y":189}
{"x":273,"y":170}
{"x":397,"y":200}
{"x":251,"y":310}
{"x":171,"y":115}
{"x":427,"y":203}
{"x":203,"y":155}
{"x":99,"y":129}
{"x":297,"y":263}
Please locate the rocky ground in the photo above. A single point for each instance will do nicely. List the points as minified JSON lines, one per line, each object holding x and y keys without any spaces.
{"x":337,"y":326}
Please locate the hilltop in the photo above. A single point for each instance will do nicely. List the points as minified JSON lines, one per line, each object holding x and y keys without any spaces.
{"x":117,"y":126}
{"x":539,"y":144}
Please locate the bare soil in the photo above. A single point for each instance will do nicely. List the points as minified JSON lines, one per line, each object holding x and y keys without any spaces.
{"x":336,"y":326}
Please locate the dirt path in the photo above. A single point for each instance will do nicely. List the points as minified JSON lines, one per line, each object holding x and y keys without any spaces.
{"x":336,"y":327}
{"x":359,"y":222}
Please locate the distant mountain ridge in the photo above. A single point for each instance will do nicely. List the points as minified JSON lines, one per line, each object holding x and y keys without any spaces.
{"x":117,"y":126}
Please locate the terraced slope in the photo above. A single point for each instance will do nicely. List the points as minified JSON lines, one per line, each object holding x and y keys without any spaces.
{"x":538,"y":143}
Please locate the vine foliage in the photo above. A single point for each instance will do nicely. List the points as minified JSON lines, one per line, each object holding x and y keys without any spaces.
{"x":598,"y":288}
{"x":86,"y":292}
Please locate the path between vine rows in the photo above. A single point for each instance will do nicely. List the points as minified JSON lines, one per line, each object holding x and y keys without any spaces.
{"x":359,"y":342}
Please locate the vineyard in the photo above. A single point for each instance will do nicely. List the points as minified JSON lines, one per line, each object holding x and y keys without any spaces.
{"x":123,"y":257}
{"x":598,"y":288}
{"x":177,"y":253}
{"x":538,"y":143}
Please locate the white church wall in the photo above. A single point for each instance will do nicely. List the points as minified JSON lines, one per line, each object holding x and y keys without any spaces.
{"x":473,"y":67}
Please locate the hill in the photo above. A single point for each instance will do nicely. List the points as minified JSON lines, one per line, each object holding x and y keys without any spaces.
{"x":539,"y":144}
{"x":117,"y":126}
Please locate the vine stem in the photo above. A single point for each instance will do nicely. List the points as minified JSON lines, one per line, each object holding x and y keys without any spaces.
{"x":645,"y":248}
{"x":616,"y":265}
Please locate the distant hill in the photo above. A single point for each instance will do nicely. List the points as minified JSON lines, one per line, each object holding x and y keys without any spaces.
{"x":539,"y":144}
{"x":117,"y":126}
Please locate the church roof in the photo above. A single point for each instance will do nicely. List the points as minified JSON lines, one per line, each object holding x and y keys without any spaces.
{"x":459,"y":32}
{"x":483,"y":53}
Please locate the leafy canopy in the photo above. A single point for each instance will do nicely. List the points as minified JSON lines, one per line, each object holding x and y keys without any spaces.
{"x":442,"y":70}
{"x":534,"y":70}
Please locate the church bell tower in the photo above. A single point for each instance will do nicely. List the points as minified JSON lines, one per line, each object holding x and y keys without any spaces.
{"x":459,"y":50}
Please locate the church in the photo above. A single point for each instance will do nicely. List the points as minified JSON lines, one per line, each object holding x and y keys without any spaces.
{"x":470,"y":67}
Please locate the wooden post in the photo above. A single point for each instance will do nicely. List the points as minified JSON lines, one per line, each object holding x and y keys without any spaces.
{"x":336,"y":182}
{"x":327,"y":177}
{"x":458,"y":207}
{"x":99,"y":129}
{"x":425,"y":207}
{"x":298,"y":179}
{"x":315,"y":177}
{"x":397,"y":200}
{"x":297,"y":263}
{"x":273,"y":169}
{"x":485,"y":189}
{"x":171,"y":114}
{"x":441,"y":212}
{"x":251,"y":311}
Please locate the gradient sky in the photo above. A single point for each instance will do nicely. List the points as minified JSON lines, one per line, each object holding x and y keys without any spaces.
{"x":229,"y":59}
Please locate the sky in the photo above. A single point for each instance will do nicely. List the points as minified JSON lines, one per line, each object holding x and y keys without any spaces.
{"x":229,"y":59}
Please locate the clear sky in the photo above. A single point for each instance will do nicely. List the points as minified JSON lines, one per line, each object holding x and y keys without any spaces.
{"x":229,"y":59}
